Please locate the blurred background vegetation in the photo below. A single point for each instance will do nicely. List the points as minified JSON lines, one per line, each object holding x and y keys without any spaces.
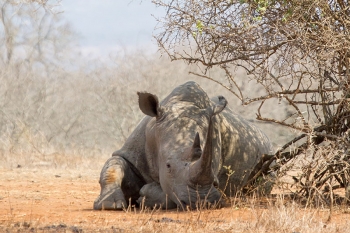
{"x":61,"y":109}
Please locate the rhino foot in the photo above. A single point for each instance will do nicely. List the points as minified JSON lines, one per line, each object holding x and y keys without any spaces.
{"x":110,"y":205}
{"x":113,"y":201}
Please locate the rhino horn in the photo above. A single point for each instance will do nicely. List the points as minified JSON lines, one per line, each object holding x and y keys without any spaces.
{"x":196,"y":151}
{"x":201,"y":171}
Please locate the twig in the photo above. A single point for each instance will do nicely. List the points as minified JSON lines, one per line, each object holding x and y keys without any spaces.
{"x":331,"y":203}
{"x":221,"y":84}
{"x":288,"y":92}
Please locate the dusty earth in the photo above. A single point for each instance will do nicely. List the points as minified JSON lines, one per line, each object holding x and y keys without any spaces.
{"x":48,"y":200}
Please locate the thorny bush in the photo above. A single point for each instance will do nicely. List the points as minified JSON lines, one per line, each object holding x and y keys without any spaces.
{"x":297,"y":51}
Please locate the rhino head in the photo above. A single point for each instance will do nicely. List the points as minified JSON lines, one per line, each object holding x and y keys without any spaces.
{"x":185,"y":165}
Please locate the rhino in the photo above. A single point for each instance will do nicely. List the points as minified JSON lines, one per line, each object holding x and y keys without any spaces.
{"x":180,"y":153}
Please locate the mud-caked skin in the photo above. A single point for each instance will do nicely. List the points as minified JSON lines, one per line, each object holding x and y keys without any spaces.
{"x":179,"y":153}
{"x":118,"y":191}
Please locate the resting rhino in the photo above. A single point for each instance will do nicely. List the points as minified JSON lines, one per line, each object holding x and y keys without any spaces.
{"x":165,"y":162}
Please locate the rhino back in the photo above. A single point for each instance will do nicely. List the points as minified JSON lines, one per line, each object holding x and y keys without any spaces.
{"x":189,"y":92}
{"x":243,"y":144}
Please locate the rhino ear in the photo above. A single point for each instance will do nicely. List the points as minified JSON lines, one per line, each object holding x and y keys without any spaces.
{"x":219,"y":104}
{"x":149,"y":104}
{"x":196,"y":151}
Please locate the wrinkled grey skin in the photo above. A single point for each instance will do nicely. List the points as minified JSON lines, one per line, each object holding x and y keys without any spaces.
{"x":176,"y":155}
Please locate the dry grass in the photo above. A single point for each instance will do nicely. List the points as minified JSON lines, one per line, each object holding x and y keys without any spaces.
{"x":59,"y":200}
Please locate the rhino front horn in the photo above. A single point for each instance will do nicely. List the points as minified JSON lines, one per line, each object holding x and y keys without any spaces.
{"x":196,"y":151}
{"x":201,"y":172}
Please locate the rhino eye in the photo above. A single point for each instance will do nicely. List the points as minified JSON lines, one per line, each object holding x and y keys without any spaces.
{"x":168,"y":165}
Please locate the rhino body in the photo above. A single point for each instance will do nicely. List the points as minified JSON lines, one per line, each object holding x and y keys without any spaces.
{"x":179,"y":153}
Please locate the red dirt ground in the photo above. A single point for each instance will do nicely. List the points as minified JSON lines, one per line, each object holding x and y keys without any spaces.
{"x":43,"y":200}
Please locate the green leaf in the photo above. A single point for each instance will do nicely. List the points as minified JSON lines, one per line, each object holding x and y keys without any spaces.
{"x":194,"y":34}
{"x":199,"y":26}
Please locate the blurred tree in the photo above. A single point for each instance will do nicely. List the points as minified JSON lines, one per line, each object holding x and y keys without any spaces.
{"x":296,"y":50}
{"x":36,"y":50}
{"x":32,"y":32}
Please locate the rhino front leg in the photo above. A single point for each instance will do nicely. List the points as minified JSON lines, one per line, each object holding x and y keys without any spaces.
{"x":119,"y":184}
{"x":152,"y":195}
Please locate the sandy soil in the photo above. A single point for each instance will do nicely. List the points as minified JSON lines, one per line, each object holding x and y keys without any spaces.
{"x":40,"y":200}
